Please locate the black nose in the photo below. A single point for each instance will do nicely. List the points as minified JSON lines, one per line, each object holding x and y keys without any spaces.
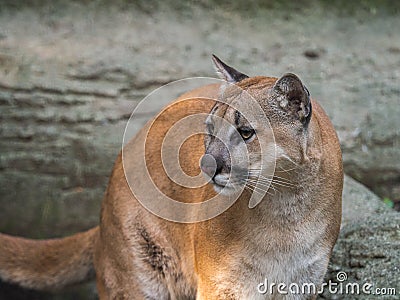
{"x":208,"y":165}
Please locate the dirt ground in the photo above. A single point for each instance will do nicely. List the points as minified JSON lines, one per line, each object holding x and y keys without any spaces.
{"x":71,"y":73}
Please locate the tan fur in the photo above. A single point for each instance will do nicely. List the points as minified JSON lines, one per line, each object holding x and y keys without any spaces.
{"x":288,"y":237}
{"x":47,"y":264}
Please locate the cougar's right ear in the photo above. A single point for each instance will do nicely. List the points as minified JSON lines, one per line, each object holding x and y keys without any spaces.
{"x":226,"y":72}
{"x":293,"y":97}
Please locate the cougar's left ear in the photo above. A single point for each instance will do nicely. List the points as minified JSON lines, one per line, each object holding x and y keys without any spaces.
{"x":293,"y":97}
{"x":226,"y":72}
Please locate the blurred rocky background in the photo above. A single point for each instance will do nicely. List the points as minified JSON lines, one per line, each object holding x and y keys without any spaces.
{"x":71,"y":73}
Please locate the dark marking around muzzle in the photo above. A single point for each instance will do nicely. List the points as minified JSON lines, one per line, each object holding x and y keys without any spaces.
{"x":216,"y":159}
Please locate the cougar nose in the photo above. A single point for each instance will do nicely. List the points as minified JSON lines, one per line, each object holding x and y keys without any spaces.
{"x":208,"y":165}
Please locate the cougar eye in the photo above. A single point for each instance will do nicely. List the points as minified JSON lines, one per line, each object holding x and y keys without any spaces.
{"x":246,"y":133}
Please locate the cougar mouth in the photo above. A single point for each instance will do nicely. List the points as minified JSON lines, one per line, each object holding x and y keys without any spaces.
{"x":222,"y":184}
{"x":220,"y":180}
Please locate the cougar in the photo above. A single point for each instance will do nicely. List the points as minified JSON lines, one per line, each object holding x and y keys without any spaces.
{"x":262,"y":137}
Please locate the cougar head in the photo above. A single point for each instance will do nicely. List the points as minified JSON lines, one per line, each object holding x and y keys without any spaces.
{"x":257,"y":126}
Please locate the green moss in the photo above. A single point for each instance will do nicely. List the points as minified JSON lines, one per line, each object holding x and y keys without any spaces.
{"x":388,"y":202}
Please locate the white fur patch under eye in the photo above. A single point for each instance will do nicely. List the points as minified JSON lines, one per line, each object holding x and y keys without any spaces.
{"x":231,"y":131}
{"x":280,"y":152}
{"x":208,"y":120}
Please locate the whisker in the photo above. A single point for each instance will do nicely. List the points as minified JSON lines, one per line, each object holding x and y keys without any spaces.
{"x":290,"y":160}
{"x":261,"y":183}
{"x":262,"y":179}
{"x":268,"y":185}
{"x":277,"y":177}
{"x":282,"y":181}
{"x":287,"y":170}
{"x":281,"y":184}
{"x":254,"y":176}
{"x":258,"y":189}
{"x":282,"y":178}
{"x":255,"y":186}
{"x":253,"y":190}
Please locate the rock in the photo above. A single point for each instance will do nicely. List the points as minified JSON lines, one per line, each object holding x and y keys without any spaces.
{"x":359,"y":203}
{"x":368,"y":251}
{"x":368,"y":248}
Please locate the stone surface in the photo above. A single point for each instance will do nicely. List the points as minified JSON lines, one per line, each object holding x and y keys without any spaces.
{"x":368,"y":246}
{"x":359,"y":203}
{"x":368,"y":251}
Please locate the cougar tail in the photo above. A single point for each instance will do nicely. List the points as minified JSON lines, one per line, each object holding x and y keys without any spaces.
{"x":48,"y":264}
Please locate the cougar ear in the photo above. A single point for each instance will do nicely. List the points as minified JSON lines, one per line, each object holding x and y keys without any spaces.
{"x":226,"y":72}
{"x":293,"y":97}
